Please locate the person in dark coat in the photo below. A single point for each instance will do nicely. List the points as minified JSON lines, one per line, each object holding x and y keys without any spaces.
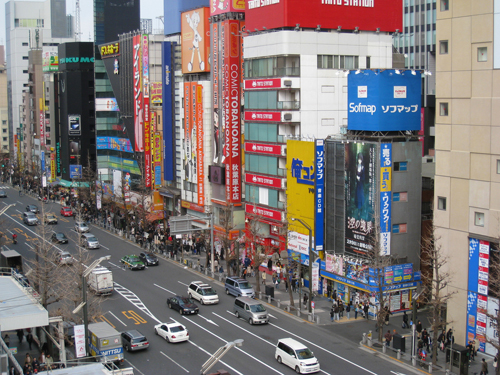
{"x":419,"y":329}
{"x":484,"y":367}
{"x":29,"y":338}
{"x":365,"y":310}
{"x":405,"y":320}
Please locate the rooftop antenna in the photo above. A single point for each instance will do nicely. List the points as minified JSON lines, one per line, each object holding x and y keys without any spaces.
{"x":78,"y":32}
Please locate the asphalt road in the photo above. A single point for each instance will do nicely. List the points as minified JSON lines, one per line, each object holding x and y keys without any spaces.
{"x":139,"y":302}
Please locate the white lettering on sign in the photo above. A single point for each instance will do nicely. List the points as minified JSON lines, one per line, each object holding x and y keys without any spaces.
{"x":362,"y":108}
{"x":261,"y":3}
{"x":350,"y":3}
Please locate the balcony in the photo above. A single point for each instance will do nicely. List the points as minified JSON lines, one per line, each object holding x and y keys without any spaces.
{"x":288,"y":72}
{"x":288,"y":105}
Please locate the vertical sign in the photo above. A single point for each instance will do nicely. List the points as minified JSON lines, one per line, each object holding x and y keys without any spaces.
{"x":232,"y":112}
{"x":199,"y":145}
{"x":145,"y":95}
{"x":42,"y":162}
{"x":138,"y":104}
{"x":187,"y":131}
{"x":79,"y":332}
{"x":167,"y":97}
{"x":319,"y":194}
{"x":153,"y":129}
{"x":215,"y":91}
{"x":52,"y":166}
{"x":385,"y":198}
{"x":42,"y":124}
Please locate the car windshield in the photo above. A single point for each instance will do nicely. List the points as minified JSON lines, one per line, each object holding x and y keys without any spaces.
{"x":208,"y":292}
{"x":30,"y":215}
{"x":304,"y":354}
{"x":257,"y":308}
{"x":139,"y":339}
{"x":65,"y":256}
{"x":91,"y":239}
{"x":150,"y":256}
{"x":60,"y":235}
{"x":245,"y":285}
{"x":185,"y":301}
{"x":177,"y":329}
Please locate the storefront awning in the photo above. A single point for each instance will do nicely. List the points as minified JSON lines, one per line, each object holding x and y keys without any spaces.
{"x":66,"y":183}
{"x":169,"y":192}
{"x":365,"y":287}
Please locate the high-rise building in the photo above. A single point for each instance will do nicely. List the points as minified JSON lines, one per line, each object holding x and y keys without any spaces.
{"x":112,"y":18}
{"x":467,"y":183}
{"x":4,"y":117}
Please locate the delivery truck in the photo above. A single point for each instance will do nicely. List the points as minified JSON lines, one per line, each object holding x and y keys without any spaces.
{"x":11,"y":259}
{"x":105,"y":343}
{"x":101,"y":281}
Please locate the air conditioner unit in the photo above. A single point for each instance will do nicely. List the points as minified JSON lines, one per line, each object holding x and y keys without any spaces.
{"x":287,"y":83}
{"x":287,"y":116}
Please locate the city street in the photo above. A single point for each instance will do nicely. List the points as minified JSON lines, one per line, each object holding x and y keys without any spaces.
{"x":139,"y":302}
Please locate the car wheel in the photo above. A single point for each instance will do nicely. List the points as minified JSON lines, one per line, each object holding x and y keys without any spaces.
{"x":297,"y":369}
{"x":227,"y":291}
{"x":166,"y":338}
{"x":279,"y":360}
{"x":180,"y":311}
{"x":169,"y":305}
{"x":127,"y":348}
{"x":250,"y":321}
{"x":201,"y":301}
{"x":237,"y":314}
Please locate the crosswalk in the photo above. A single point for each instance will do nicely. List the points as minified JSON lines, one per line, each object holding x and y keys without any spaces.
{"x":133,"y":299}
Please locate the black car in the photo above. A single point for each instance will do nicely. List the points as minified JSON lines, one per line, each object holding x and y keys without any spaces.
{"x":149,"y":259}
{"x":182,"y":304}
{"x":3,"y":194}
{"x":59,"y":237}
{"x":32,"y":208}
{"x":134,"y":340}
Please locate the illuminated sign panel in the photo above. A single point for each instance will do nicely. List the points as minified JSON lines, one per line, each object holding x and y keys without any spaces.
{"x":110,"y":50}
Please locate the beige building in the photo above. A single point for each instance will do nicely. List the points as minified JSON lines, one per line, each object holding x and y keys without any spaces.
{"x":467,"y":183}
{"x":4,"y":114}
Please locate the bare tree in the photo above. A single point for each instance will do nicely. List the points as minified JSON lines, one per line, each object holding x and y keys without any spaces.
{"x":229,"y":244}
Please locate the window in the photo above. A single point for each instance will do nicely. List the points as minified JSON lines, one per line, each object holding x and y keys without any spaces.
{"x":349,"y":62}
{"x":325,"y":61}
{"x":261,"y":195}
{"x":4,"y":122}
{"x":261,"y":132}
{"x":443,"y":109}
{"x":4,"y":139}
{"x":25,"y":72}
{"x":261,"y":99}
{"x":479,"y":219}
{"x":498,"y":166}
{"x":368,"y":62}
{"x":445,"y":5}
{"x":400,"y":166}
{"x":4,"y":130}
{"x":482,"y":54}
{"x":25,"y":57}
{"x":262,"y":164}
{"x":399,"y":228}
{"x":442,"y":203}
{"x":443,"y":47}
{"x":400,"y":197}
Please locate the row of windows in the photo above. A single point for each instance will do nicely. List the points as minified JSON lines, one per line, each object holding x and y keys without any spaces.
{"x":261,"y":195}
{"x":340,"y":62}
{"x":261,"y":132}
{"x":262,"y":164}
{"x":277,"y":66}
{"x":478,"y":216}
{"x":418,"y":2}
{"x":27,"y":22}
{"x":482,"y":52}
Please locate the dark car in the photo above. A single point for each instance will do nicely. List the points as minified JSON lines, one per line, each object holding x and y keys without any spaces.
{"x":3,"y":194}
{"x":134,"y":340}
{"x":59,"y":237}
{"x":32,"y":208}
{"x":149,"y":259}
{"x":182,"y":304}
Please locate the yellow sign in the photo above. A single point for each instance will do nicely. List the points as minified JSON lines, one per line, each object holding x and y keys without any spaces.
{"x":385,"y":178}
{"x":300,"y":184}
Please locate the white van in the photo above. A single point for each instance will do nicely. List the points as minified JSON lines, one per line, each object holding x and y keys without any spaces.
{"x":297,"y":356}
{"x":251,"y":310}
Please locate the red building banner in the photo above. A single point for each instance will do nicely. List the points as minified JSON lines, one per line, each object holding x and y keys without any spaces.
{"x":262,"y":148}
{"x":147,"y":128}
{"x":273,"y":83}
{"x":265,"y":213}
{"x":266,"y":181}
{"x":199,"y":145}
{"x":263,"y":116}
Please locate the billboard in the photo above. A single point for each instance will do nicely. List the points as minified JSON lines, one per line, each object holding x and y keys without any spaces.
{"x":75,"y":171}
{"x":114,"y":143}
{"x":106,"y":104}
{"x":74,"y":124}
{"x":195,"y":36}
{"x":224,"y":6}
{"x":360,"y":189}
{"x":155,"y":93}
{"x":50,"y":62}
{"x":167,"y":99}
{"x":385,"y":198}
{"x":138,"y":100}
{"x":215,"y":90}
{"x":370,"y":15}
{"x":384,"y":100}
{"x":200,"y":172}
{"x":301,"y":167}
{"x":110,"y":50}
{"x":319,"y":199}
{"x":147,"y":122}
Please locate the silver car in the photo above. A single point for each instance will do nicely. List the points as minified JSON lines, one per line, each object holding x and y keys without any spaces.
{"x":90,"y":241}
{"x":82,"y":227}
{"x":65,"y":258}
{"x":30,"y":218}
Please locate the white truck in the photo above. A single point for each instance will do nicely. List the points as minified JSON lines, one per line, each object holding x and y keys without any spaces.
{"x":101,"y":281}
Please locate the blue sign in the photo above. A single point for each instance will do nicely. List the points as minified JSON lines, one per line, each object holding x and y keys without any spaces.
{"x":385,"y":198}
{"x":158,"y":175}
{"x":471,"y":314}
{"x":387,"y":100}
{"x":75,"y":171}
{"x":473,"y":265}
{"x":304,"y":175}
{"x":114,"y":143}
{"x":320,"y":191}
{"x":167,"y":98}
{"x":42,"y":160}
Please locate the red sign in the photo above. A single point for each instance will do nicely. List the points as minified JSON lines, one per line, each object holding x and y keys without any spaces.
{"x":263,"y":148}
{"x":262,"y":180}
{"x":231,"y":99}
{"x":266,"y":213}
{"x":224,"y":6}
{"x":262,"y":116}
{"x":199,"y":145}
{"x":262,"y":83}
{"x":386,"y":15}
{"x":138,"y":103}
{"x":192,"y":206}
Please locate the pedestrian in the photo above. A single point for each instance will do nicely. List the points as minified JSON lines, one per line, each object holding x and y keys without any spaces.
{"x":20,"y":335}
{"x":419,"y":329}
{"x":341,"y":309}
{"x":305,"y":299}
{"x":405,"y":321}
{"x":484,"y":368}
{"x":286,"y":284}
{"x":388,"y":338}
{"x":336,"y":310}
{"x":29,"y":338}
{"x":449,"y":337}
{"x":334,"y":295}
{"x":6,"y":339}
{"x":495,"y":362}
{"x":329,"y":291}
{"x":356,"y":309}
{"x":348,"y":311}
{"x":365,"y":310}
{"x":332,"y":312}
{"x":264,"y":277}
{"x":27,"y":360}
{"x":387,"y":312}
{"x":277,"y":281}
{"x":49,"y":361}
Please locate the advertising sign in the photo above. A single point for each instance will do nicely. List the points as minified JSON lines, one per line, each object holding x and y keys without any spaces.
{"x":50,"y":62}
{"x":110,"y":50}
{"x":189,"y":159}
{"x":224,"y":6}
{"x":113,"y":143}
{"x":384,"y":101}
{"x":167,"y":99}
{"x":360,"y":185}
{"x":385,"y":15}
{"x":263,"y":212}
{"x":385,"y":198}
{"x":106,"y":104}
{"x":138,"y":100}
{"x":74,"y":125}
{"x":52,"y":166}
{"x":319,"y":199}
{"x":262,"y":148}
{"x":263,"y":116}
{"x":147,"y":122}
{"x":270,"y":83}
{"x":155,"y":93}
{"x":200,"y":171}
{"x":273,"y":182}
{"x":79,"y":331}
{"x":491,"y":326}
{"x":478,"y":266}
{"x":41,"y":119}
{"x":195,"y":36}
{"x":42,"y":161}
{"x":75,"y":171}
{"x":215,"y":90}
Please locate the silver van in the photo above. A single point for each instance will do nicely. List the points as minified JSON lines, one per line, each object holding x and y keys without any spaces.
{"x":90,"y":241}
{"x":239,"y":287}
{"x":251,"y":310}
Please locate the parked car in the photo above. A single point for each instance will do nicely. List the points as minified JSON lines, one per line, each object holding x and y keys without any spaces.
{"x":59,"y":237}
{"x":172,"y":332}
{"x":133,"y":262}
{"x":30,"y":218}
{"x":64,"y":258}
{"x":82,"y":227}
{"x":32,"y":208}
{"x":296,"y":355}
{"x":183,"y":305}
{"x":203,"y":293}
{"x":3,"y":194}
{"x":134,"y":340}
{"x":90,"y":241}
{"x":66,"y":211}
{"x":50,"y":218}
{"x":149,"y":259}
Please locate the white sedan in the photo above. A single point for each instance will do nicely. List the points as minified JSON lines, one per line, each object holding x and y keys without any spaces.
{"x":172,"y":332}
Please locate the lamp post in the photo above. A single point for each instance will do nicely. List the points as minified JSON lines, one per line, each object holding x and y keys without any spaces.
{"x":311,"y":260}
{"x":84,"y":302}
{"x":219,"y":354}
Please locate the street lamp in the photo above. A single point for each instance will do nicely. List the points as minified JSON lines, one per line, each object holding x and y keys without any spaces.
{"x":311,"y":259}
{"x":219,"y":354}
{"x":84,"y":303}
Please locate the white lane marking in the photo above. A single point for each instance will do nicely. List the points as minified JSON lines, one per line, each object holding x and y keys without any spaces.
{"x":397,"y":373}
{"x":19,"y":211}
{"x":117,"y":318}
{"x":123,"y":269}
{"x":20,"y":202}
{"x":272,"y":316}
{"x":126,"y":360}
{"x":27,"y":244}
{"x":134,"y":300}
{"x":174,"y":361}
{"x":210,"y":355}
{"x":165,"y":289}
{"x":220,"y":338}
{"x":182,"y":283}
{"x":208,"y":320}
{"x":327,"y":351}
{"x":107,"y":248}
